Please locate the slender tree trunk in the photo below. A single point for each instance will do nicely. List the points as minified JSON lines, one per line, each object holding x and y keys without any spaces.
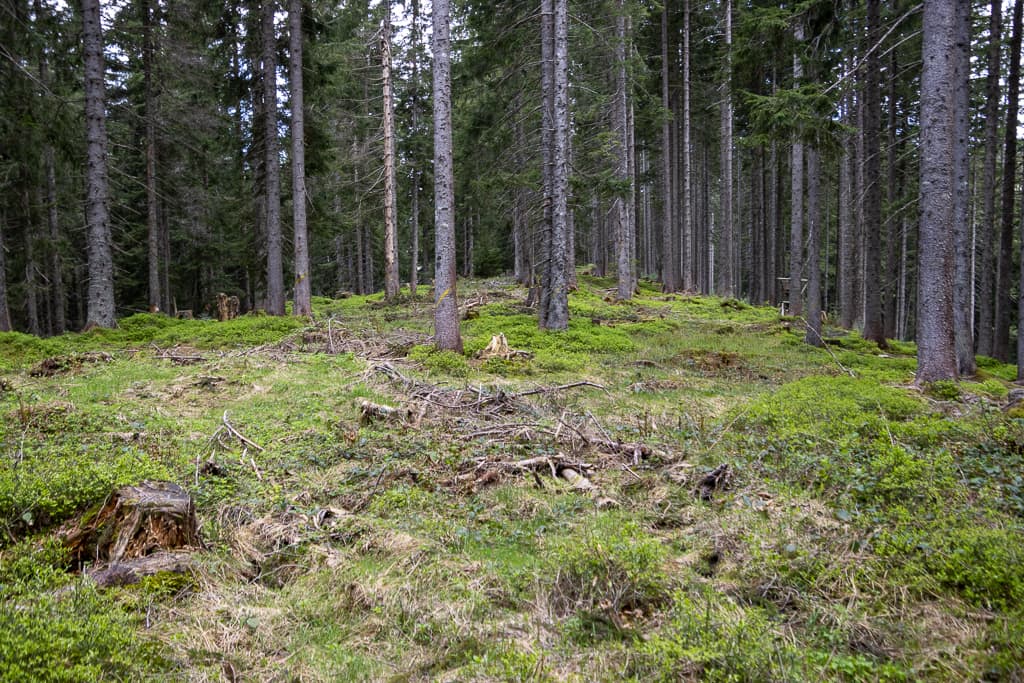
{"x":101,"y":311}
{"x":5,"y":311}
{"x":31,"y":287}
{"x":936,"y":350}
{"x":873,"y":329}
{"x":986,"y":235}
{"x":272,"y":170}
{"x":58,"y":322}
{"x":414,"y":264}
{"x":796,"y":233}
{"x":392,"y":284}
{"x":557,"y":314}
{"x":621,"y":204}
{"x":1004,"y":268}
{"x":152,"y":218}
{"x":892,"y":221}
{"x":813,"y":336}
{"x":302,"y":305}
{"x":686,"y":232}
{"x":963,"y":287}
{"x":773,"y":225}
{"x":728,"y":256}
{"x":669,"y":256}
{"x":446,"y":307}
{"x":547,"y":127}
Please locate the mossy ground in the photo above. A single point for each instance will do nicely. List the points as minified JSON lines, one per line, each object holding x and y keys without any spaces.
{"x":868,"y":531}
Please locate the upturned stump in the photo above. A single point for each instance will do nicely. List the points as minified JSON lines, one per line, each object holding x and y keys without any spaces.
{"x":140,"y":530}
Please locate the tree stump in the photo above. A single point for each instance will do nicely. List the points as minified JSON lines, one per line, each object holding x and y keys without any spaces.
{"x":132,"y":533}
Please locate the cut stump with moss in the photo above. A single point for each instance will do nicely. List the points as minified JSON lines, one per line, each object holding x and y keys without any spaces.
{"x":139,"y":531}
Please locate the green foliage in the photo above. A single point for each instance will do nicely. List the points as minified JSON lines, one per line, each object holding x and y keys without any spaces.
{"x":944,"y":390}
{"x":441,"y":362}
{"x":610,"y":565}
{"x":49,"y":484}
{"x":75,"y":634}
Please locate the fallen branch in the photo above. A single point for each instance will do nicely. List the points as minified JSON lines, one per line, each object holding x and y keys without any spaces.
{"x":238,"y":435}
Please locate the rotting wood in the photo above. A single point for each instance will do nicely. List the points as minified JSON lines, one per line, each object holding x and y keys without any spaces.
{"x":715,"y":480}
{"x":127,"y":572}
{"x":135,"y":522}
{"x":370,"y":412}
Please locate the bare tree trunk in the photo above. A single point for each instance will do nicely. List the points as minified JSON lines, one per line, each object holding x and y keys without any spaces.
{"x":302,"y":305}
{"x":936,"y":350}
{"x":392,"y":284}
{"x":272,"y":170}
{"x":727,"y":231}
{"x":873,"y":329}
{"x":1004,"y":268}
{"x":5,"y":311}
{"x":986,"y":236}
{"x":892,"y":221}
{"x":520,"y":237}
{"x":772,"y":230}
{"x":963,"y":287}
{"x":446,"y":307}
{"x":31,"y":287}
{"x":813,"y":336}
{"x":686,"y":232}
{"x":414,"y":228}
{"x":669,"y":256}
{"x":621,"y":204}
{"x":547,"y":127}
{"x":101,"y":311}
{"x":152,"y":218}
{"x":557,"y":313}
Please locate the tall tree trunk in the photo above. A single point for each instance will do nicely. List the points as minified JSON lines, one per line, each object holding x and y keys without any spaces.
{"x":446,"y":307}
{"x":31,"y":287}
{"x":686,"y":232}
{"x":669,"y":256}
{"x":152,"y":218}
{"x":547,"y":127}
{"x":58,"y":322}
{"x":392,"y":284}
{"x":963,"y":288}
{"x":796,"y":232}
{"x":302,"y":305}
{"x":727,"y":231}
{"x":936,"y":350}
{"x":813,"y":335}
{"x":101,"y":311}
{"x":414,"y":227}
{"x":557,"y":314}
{"x":986,"y":235}
{"x":892,"y":220}
{"x":272,"y":170}
{"x":520,"y":236}
{"x":5,"y":311}
{"x":873,"y":329}
{"x":1004,"y":268}
{"x":771,"y":247}
{"x":621,"y":203}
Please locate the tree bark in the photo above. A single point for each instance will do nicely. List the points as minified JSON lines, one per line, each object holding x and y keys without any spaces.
{"x":101,"y":312}
{"x":813,"y":335}
{"x":446,"y":307}
{"x":669,"y":256}
{"x":621,"y":203}
{"x":392,"y":284}
{"x":302,"y":305}
{"x":726,"y":230}
{"x":936,"y":350}
{"x":5,"y":311}
{"x":414,"y":209}
{"x":963,"y":288}
{"x":152,"y":218}
{"x":1004,"y":268}
{"x":987,"y":232}
{"x":686,"y":228}
{"x":796,"y":213}
{"x":873,"y":329}
{"x":556,"y":317}
{"x":272,"y":170}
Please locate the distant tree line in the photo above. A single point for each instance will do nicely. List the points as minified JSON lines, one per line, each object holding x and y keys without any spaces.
{"x":848,"y":160}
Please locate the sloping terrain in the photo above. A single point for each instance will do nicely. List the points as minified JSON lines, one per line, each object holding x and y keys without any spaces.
{"x":675,"y":488}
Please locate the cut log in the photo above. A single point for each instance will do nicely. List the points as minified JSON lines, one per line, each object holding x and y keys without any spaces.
{"x":132,"y":571}
{"x":135,"y":522}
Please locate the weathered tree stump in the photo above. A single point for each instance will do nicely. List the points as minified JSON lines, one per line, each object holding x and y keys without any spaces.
{"x":131,"y":534}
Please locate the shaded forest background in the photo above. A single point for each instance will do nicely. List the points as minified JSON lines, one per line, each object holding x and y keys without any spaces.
{"x":747,"y":150}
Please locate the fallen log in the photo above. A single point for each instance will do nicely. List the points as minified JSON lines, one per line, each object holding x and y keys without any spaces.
{"x":132,"y":571}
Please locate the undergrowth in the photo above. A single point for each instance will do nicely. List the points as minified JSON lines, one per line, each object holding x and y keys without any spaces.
{"x":864,"y":530}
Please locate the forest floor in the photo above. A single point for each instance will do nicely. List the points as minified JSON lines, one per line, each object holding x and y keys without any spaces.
{"x":676,"y":488}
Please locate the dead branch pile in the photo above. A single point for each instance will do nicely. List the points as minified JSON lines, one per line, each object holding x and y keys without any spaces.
{"x":484,"y":471}
{"x":479,"y":400}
